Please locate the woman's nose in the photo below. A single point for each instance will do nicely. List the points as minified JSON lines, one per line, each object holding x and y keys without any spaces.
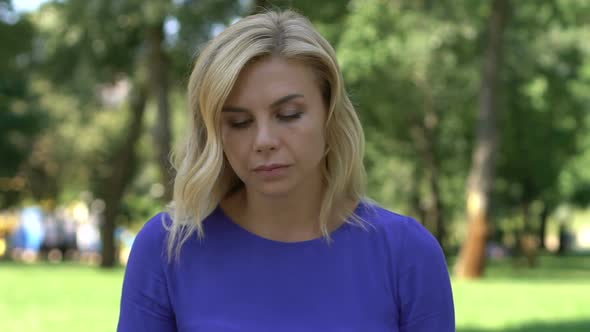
{"x":266,"y":139}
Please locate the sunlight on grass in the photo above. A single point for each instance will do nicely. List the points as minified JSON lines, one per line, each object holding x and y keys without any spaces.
{"x":503,"y":304}
{"x":510,"y":299}
{"x":47,"y":298}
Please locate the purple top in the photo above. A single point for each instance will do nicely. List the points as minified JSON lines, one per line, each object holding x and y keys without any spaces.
{"x":390,"y":276}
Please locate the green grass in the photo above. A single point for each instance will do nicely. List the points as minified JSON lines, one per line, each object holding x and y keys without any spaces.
{"x":553,"y":297}
{"x":48,"y":298}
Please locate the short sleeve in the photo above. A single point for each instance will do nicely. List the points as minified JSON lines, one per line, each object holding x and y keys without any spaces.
{"x":425,"y":292}
{"x":145,"y":302}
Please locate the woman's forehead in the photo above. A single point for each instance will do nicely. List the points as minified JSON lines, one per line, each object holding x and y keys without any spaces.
{"x":270,"y":79}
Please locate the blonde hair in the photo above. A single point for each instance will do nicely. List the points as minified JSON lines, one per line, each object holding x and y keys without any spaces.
{"x":203,"y":176}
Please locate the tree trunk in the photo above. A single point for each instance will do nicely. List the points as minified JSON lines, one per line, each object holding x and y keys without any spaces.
{"x":528,"y":241}
{"x":471,"y":261}
{"x":424,"y":138}
{"x":563,"y":239}
{"x":416,"y":197}
{"x":543,"y":227}
{"x":123,"y":161}
{"x":158,"y":71}
{"x":436,"y":208}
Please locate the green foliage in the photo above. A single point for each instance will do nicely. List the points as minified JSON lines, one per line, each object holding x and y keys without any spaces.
{"x":85,"y":42}
{"x":412,"y":69}
{"x":543,"y":111}
{"x":410,"y":72}
{"x":21,"y":117}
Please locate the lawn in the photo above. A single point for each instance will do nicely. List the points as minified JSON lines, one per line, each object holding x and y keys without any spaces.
{"x":553,"y":297}
{"x":51,"y":298}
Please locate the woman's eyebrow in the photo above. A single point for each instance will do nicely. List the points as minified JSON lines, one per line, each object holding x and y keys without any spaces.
{"x":234,"y":109}
{"x":274,"y":104}
{"x":285,"y":99}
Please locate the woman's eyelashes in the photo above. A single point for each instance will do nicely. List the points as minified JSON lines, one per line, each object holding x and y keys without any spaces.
{"x":289,"y":116}
{"x":283,"y":117}
{"x":240,"y":124}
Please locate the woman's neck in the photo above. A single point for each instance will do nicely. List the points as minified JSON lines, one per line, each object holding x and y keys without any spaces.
{"x":287,"y":218}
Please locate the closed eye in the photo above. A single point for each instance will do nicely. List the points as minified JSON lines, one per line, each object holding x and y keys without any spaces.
{"x":240,"y":124}
{"x":289,"y":117}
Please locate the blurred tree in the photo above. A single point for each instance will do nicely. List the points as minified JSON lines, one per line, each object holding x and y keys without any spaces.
{"x":82,"y":54}
{"x":471,"y":261}
{"x":409,"y":69}
{"x":124,"y":162}
{"x":21,"y":118}
{"x":412,"y":67}
{"x":158,"y":64}
{"x":135,"y":49}
{"x":543,"y":78}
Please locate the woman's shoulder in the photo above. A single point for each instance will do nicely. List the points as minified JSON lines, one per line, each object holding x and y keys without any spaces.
{"x":397,"y":227}
{"x":421,"y":286}
{"x":377,"y":216}
{"x":153,"y":234}
{"x":156,"y":226}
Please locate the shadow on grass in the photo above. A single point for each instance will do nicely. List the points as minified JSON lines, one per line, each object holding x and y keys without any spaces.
{"x":559,"y":326}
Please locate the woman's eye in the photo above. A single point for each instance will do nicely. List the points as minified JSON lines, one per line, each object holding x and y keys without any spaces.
{"x":240,"y":124}
{"x":289,"y":116}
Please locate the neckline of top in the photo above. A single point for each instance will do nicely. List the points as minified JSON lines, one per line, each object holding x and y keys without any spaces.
{"x":333,"y":235}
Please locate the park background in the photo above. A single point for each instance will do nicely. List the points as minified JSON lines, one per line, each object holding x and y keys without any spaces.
{"x":476,"y":114}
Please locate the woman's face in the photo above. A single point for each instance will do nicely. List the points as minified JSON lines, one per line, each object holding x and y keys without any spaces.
{"x":273,"y":127}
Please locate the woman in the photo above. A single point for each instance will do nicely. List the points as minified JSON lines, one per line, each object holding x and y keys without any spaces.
{"x":269,"y":228}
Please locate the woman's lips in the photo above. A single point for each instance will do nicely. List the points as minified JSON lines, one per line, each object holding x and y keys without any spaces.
{"x":271,"y":171}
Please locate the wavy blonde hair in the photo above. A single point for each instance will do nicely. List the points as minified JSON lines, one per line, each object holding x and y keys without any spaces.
{"x":203,"y":175}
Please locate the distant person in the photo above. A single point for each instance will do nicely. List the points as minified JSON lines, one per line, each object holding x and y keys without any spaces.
{"x":88,"y":241}
{"x":54,"y":237}
{"x":565,"y":239}
{"x":17,"y":242}
{"x":124,"y":238}
{"x":270,"y":228}
{"x":32,"y":234}
{"x":69,"y":245}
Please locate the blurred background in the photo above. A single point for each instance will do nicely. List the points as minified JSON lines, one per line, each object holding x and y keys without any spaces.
{"x":477,"y":117}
